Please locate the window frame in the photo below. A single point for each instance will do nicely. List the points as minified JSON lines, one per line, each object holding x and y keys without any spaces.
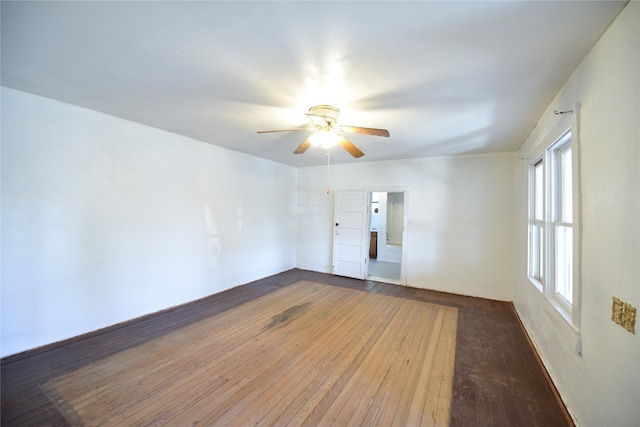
{"x":549,"y":157}
{"x":536,"y":235}
{"x":556,"y":219}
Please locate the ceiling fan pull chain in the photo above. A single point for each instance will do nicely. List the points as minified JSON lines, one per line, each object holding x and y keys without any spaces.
{"x":328,"y":182}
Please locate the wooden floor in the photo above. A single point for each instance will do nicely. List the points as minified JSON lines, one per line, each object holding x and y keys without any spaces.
{"x":497,"y":379}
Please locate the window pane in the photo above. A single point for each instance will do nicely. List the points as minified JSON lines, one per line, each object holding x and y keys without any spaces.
{"x":533,"y":252}
{"x":536,"y":252}
{"x":538,"y":188}
{"x":564,"y":262}
{"x":540,"y":253}
{"x":566,"y":205}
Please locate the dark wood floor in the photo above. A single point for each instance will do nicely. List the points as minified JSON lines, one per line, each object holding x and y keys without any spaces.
{"x":498,"y":380}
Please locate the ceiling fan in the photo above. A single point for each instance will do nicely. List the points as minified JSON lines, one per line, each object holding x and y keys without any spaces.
{"x":324,"y":124}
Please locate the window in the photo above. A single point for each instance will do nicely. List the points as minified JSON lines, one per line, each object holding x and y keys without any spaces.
{"x":551,"y":237}
{"x":536,"y":222}
{"x":562,"y":219}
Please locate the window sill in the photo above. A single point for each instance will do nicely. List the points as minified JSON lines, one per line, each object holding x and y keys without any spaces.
{"x":564,"y":313}
{"x":558,"y":307}
{"x":536,"y":283}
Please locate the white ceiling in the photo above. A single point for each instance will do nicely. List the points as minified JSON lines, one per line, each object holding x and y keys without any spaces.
{"x":444,"y":77}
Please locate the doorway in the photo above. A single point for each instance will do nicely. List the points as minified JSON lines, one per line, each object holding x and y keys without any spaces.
{"x":387,"y":234}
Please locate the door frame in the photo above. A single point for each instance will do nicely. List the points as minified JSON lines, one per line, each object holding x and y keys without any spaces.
{"x":394,"y":189}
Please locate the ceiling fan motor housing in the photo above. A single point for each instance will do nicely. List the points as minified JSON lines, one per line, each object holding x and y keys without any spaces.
{"x":327,"y":115}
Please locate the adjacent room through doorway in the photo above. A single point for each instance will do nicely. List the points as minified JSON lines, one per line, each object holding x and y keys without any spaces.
{"x":386,"y":225}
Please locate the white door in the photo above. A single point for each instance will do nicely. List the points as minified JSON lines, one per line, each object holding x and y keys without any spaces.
{"x":350,"y":237}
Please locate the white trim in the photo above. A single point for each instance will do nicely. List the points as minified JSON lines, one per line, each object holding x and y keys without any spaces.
{"x":547,"y":151}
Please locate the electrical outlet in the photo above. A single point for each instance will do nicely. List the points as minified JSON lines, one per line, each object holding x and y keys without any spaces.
{"x":624,"y":314}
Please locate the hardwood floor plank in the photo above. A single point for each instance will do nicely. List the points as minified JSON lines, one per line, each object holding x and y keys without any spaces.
{"x":416,"y":409}
{"x":296,"y":374}
{"x":256,"y":395}
{"x":234,"y":363}
{"x":314,"y":358}
{"x":162,"y":356}
{"x":275,"y":380}
{"x":397,"y":376}
{"x":396,"y":408}
{"x":314,"y":410}
{"x":438,"y":402}
{"x":342,"y":347}
{"x":116,"y":374}
{"x":355,"y":399}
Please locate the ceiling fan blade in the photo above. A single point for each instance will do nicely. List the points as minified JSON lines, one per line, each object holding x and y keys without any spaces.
{"x":284,"y":130}
{"x":365,"y":131}
{"x":303,"y":147}
{"x":351,"y":149}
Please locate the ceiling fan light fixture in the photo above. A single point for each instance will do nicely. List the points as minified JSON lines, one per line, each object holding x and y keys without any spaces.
{"x":324,"y":139}
{"x":327,"y":133}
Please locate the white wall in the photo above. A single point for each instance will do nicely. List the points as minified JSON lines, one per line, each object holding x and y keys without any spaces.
{"x":601,"y":387}
{"x":104,"y":220}
{"x":460,"y":219}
